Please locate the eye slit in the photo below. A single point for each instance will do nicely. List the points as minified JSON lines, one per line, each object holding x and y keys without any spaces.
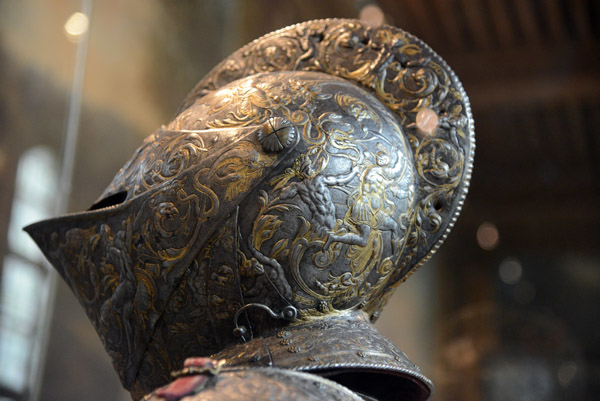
{"x":111,"y":200}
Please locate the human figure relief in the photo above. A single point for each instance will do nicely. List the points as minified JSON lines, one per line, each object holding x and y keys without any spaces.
{"x":370,"y":208}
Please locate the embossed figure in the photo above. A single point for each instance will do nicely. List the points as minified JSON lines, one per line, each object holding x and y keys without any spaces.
{"x":370,"y":208}
{"x":248,"y":246}
{"x":314,"y":192}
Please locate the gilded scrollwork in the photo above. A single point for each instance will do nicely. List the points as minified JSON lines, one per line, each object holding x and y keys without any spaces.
{"x":296,"y":174}
{"x":343,"y":200}
{"x":125,"y":269}
{"x":407,"y":76}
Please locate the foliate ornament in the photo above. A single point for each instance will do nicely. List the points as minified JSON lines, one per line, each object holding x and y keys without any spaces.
{"x":405,"y":75}
{"x":303,"y":178}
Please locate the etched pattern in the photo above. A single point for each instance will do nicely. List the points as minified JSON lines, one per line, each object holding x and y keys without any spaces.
{"x":407,"y":76}
{"x":346,"y":341}
{"x":296,"y":173}
{"x":124,"y":262}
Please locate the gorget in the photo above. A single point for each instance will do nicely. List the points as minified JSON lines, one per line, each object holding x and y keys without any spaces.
{"x":346,"y":348}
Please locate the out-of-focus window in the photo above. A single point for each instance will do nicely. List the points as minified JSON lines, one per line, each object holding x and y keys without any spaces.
{"x":24,"y":283}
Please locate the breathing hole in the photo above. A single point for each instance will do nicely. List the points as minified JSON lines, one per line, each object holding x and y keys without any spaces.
{"x":110,"y":200}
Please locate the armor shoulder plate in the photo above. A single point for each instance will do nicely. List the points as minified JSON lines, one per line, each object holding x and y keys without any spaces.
{"x":256,"y":384}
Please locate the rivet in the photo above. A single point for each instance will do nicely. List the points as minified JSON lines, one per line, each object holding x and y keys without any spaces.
{"x":239,"y":331}
{"x":283,"y":334}
{"x":294,"y":350}
{"x":276,"y":134}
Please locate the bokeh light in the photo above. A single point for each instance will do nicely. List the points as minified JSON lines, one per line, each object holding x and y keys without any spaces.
{"x":488,"y":236}
{"x":76,"y":26}
{"x":427,"y":121}
{"x":372,"y":14}
{"x":510,"y":271}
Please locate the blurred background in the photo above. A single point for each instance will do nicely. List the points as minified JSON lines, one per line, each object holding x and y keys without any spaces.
{"x":509,"y":308}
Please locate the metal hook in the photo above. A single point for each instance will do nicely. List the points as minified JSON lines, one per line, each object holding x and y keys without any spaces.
{"x":288,"y":313}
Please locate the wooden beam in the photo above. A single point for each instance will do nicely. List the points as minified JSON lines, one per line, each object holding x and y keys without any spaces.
{"x":525,"y":91}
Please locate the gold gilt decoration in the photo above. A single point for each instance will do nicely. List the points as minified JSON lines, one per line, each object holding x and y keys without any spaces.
{"x":313,"y":169}
{"x":125,"y":261}
{"x":408,"y":77}
{"x":347,"y":201}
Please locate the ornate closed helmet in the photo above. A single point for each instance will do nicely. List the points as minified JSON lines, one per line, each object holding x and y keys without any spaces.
{"x":302,"y":179}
